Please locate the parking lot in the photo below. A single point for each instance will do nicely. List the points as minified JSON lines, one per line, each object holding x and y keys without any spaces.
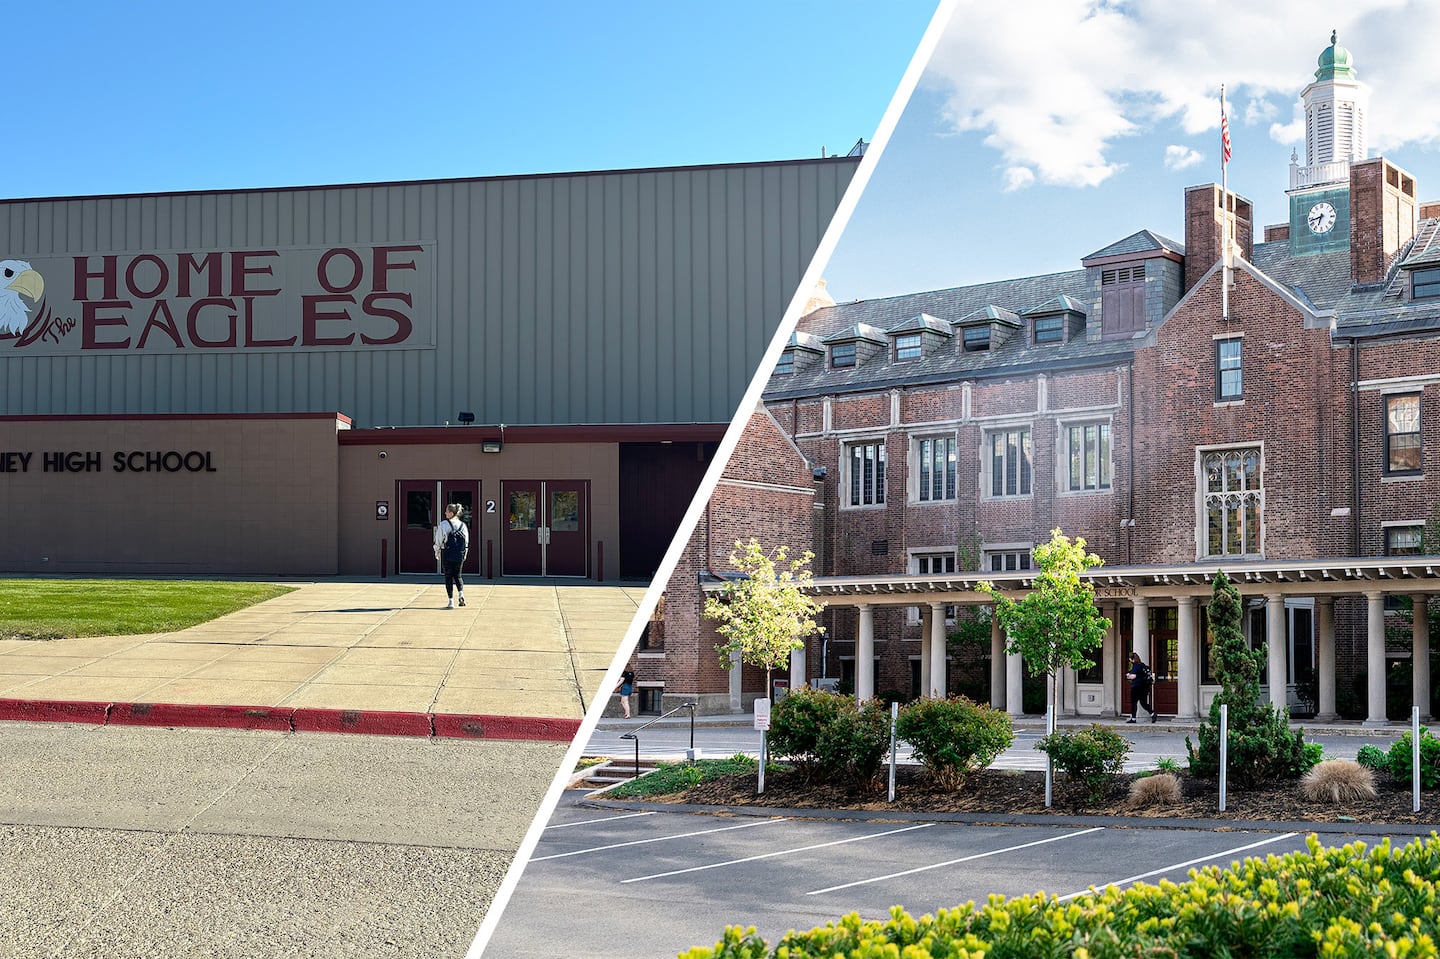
{"x":632,"y":883}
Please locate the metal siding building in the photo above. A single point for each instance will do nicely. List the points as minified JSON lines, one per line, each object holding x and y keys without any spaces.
{"x":279,"y":367}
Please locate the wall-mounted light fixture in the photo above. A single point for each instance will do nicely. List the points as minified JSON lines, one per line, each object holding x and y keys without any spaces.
{"x":464,"y":417}
{"x":491,"y":446}
{"x":818,"y":473}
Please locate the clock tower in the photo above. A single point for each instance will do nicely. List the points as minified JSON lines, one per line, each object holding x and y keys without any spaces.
{"x":1335,"y":105}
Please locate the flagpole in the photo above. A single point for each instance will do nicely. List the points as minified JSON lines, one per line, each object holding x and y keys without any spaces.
{"x":1225,"y":274}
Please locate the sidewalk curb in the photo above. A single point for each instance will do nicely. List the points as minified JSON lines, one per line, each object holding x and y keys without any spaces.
{"x":1024,"y":819}
{"x":293,"y":719}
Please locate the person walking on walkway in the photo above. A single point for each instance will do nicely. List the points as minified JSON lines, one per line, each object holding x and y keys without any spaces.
{"x":1140,"y":682}
{"x":452,"y":543}
{"x":626,"y":687}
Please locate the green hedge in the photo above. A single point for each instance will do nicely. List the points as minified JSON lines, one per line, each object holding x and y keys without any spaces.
{"x":1324,"y":903}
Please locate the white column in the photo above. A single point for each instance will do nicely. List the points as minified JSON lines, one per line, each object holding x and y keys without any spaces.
{"x":1140,"y":630}
{"x":937,"y":651}
{"x":1421,"y":655}
{"x":1187,"y":691}
{"x":737,"y":691}
{"x":1275,"y":646}
{"x":925,"y":650}
{"x":797,"y":668}
{"x":1325,"y":630}
{"x":997,"y":662}
{"x":1375,"y":659}
{"x":1014,"y":684}
{"x":865,"y":654}
{"x":1109,"y":655}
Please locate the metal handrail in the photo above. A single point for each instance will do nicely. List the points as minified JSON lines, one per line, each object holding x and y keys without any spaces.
{"x":635,"y":735}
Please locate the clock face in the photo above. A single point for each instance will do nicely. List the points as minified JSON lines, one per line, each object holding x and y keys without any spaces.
{"x":1321,"y":218}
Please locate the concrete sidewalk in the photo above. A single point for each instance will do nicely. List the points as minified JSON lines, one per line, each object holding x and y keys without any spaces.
{"x":532,"y":650}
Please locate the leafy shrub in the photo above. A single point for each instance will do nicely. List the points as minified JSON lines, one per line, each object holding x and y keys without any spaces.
{"x":1373,"y":757}
{"x":954,"y":737}
{"x":1091,"y":757}
{"x":1340,"y":902}
{"x":1401,"y":759}
{"x":1160,"y":789}
{"x":830,"y":736}
{"x":1261,"y":745}
{"x":1167,"y":764}
{"x":1338,"y":781}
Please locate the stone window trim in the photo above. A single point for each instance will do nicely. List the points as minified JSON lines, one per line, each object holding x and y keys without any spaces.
{"x":1007,"y":451}
{"x":1095,"y":476}
{"x":1401,"y":424}
{"x":933,"y":465}
{"x":1237,"y":511}
{"x":855,"y":494}
{"x":920,"y":561}
{"x":1011,"y":557}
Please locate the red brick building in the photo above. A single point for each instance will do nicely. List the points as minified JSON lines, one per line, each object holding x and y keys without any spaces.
{"x":1277,"y":416}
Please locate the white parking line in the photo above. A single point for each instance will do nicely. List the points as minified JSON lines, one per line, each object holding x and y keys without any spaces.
{"x":779,"y":852}
{"x":952,"y":862}
{"x":1179,"y":865}
{"x":641,"y":842}
{"x":591,"y":822}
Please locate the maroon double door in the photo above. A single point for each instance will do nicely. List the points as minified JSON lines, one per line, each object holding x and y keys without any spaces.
{"x":545,"y":527}
{"x":422,"y":507}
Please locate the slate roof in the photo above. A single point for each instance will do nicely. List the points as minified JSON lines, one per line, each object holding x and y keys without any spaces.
{"x":923,"y":322}
{"x":1145,"y":241}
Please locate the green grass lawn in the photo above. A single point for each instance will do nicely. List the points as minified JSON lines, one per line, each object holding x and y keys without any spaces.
{"x":62,"y":608}
{"x":675,"y":777}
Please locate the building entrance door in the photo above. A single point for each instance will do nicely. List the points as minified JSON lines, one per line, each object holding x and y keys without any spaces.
{"x":422,"y":507}
{"x":546,"y":528}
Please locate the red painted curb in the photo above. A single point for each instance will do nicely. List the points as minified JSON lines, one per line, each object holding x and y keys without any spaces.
{"x":369,"y":721}
{"x":454,"y":726}
{"x":53,"y":711}
{"x":209,"y":717}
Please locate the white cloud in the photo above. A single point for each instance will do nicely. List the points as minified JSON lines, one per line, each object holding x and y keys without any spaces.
{"x":1181,"y":157}
{"x":1018,"y":178}
{"x":1055,"y":93}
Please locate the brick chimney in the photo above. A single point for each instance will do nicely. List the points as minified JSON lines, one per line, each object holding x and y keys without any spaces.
{"x":1382,"y":216}
{"x":1203,"y":218}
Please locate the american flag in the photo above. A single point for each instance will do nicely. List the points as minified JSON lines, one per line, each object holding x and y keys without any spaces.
{"x":1224,"y":132}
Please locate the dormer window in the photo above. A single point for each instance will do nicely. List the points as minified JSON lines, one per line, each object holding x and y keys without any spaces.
{"x":1050,"y":329}
{"x":909,"y":346}
{"x":1425,"y":284}
{"x":842,"y":355}
{"x":786,"y":365}
{"x":976,"y":339}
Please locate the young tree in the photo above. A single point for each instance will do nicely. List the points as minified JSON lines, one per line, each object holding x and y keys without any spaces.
{"x":764,"y":614}
{"x":1057,"y":623}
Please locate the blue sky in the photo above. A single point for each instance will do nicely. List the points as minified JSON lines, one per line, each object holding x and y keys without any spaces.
{"x":1033,"y":141}
{"x":158,"y":96}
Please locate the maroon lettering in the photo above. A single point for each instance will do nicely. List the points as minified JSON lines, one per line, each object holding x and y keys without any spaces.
{"x":240,"y":271}
{"x":165,"y":325}
{"x":403,"y":326}
{"x":93,"y":322}
{"x":207,"y":267}
{"x":382,"y":265}
{"x":250,"y":338}
{"x":322,"y":271}
{"x":192,"y":322}
{"x":83,"y":276}
{"x":313,"y":317}
{"x":162,"y":276}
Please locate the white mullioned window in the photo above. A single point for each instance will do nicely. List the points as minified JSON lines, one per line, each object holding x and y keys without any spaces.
{"x":1233,"y":501}
{"x":935,"y":468}
{"x":1010,"y":462}
{"x":865,"y":473}
{"x":932,"y":564}
{"x":1088,"y":466}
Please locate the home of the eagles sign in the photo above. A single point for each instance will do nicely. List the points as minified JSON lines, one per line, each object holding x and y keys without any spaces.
{"x":332,"y":298}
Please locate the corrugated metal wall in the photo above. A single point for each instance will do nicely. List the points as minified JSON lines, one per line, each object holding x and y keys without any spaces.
{"x":626,"y":297}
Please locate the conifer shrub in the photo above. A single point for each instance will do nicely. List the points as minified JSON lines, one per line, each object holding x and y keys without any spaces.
{"x":954,"y":737}
{"x":1262,"y":746}
{"x":1091,"y":757}
{"x":1338,"y":781}
{"x":1334,"y":903}
{"x":830,"y":737}
{"x":1161,"y":789}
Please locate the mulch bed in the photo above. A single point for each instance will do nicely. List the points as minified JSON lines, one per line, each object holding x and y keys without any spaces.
{"x":1005,"y":792}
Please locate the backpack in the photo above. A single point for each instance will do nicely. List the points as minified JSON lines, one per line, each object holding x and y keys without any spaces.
{"x":456,"y":544}
{"x":1143,"y":676}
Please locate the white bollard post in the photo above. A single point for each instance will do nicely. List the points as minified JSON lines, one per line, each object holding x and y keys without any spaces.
{"x":894,"y":714}
{"x":1049,"y":763}
{"x":1415,"y":759}
{"x":1224,"y":749}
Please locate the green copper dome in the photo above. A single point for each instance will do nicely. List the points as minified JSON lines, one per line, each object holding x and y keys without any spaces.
{"x":1335,"y":62}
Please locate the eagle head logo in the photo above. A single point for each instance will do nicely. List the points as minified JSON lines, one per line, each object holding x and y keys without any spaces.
{"x":16,"y":278}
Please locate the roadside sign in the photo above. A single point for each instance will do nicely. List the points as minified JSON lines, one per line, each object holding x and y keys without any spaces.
{"x":762,"y":714}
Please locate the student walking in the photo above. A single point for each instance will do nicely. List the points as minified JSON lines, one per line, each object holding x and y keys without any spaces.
{"x":452,"y":543}
{"x":1141,"y":680}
